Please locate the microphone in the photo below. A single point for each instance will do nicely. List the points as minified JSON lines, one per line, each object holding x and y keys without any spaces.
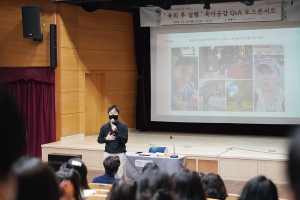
{"x":173,"y":156}
{"x":112,"y":120}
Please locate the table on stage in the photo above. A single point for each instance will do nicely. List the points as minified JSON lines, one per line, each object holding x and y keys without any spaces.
{"x":135,"y":163}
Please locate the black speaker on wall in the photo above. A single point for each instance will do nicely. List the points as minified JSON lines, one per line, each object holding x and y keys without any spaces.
{"x":32,"y":23}
{"x":53,"y":49}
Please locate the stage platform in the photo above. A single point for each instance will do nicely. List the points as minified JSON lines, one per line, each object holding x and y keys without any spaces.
{"x":236,"y":158}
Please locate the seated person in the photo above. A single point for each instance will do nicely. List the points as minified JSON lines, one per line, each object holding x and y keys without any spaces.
{"x":111,"y":165}
{"x":123,"y":188}
{"x":80,"y":167}
{"x":259,"y":188}
{"x":149,"y":165}
{"x":213,"y":186}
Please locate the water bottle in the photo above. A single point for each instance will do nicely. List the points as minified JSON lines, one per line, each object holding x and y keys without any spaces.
{"x":166,"y":152}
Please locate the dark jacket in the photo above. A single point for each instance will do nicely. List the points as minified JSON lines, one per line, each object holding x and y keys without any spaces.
{"x":117,"y":145}
{"x":105,"y":179}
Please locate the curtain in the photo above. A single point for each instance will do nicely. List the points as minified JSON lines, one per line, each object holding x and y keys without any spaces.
{"x":33,"y":89}
{"x":142,"y":57}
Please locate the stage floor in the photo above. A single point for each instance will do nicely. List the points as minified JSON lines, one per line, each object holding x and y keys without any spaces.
{"x":238,"y":157}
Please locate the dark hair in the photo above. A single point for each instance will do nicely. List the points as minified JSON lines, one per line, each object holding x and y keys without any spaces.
{"x":36,"y":180}
{"x":12,"y":131}
{"x":293,"y":164}
{"x":74,"y":177}
{"x":111,"y":164}
{"x":188,"y":185}
{"x":213,"y":186}
{"x":149,"y":165}
{"x":151,"y":181}
{"x":259,"y":188}
{"x":162,"y":194}
{"x":183,"y":61}
{"x":113,"y":107}
{"x":123,"y":188}
{"x":78,"y":164}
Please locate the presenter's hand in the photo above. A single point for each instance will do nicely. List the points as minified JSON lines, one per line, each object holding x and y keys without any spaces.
{"x":113,"y":127}
{"x":110,"y":137}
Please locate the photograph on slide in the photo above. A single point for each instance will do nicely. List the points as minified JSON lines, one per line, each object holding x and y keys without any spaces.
{"x":269,"y":78}
{"x":226,"y":62}
{"x":184,"y":79}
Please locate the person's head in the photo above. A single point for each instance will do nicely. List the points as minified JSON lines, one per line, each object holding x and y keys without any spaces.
{"x":111,"y":164}
{"x":162,"y":194}
{"x":36,"y":180}
{"x":69,"y":180}
{"x":188,"y":185}
{"x":149,"y":165}
{"x":182,"y":71}
{"x":123,"y":188}
{"x":268,"y":73}
{"x":113,"y":112}
{"x":293,"y":164}
{"x":213,"y":186}
{"x":151,"y":181}
{"x":12,"y":131}
{"x":78,"y":164}
{"x":259,"y":188}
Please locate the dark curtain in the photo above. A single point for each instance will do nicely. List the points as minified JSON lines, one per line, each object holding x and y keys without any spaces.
{"x":142,"y":55}
{"x":33,"y":89}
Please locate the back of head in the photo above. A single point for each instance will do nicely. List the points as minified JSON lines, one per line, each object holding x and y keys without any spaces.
{"x":188,"y":185}
{"x":111,"y":164}
{"x":149,"y":165}
{"x":213,"y":186}
{"x":293,"y":164}
{"x":73,"y":176}
{"x":259,"y":188}
{"x":36,"y":180}
{"x":123,"y":188}
{"x":78,"y":164}
{"x":151,"y":181}
{"x":12,"y":131}
{"x":162,"y":194}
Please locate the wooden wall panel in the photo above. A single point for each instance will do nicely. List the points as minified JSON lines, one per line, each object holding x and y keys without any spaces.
{"x":69,"y":36}
{"x":69,"y":81}
{"x":70,"y":102}
{"x":69,"y":59}
{"x":70,"y":124}
{"x":106,"y":40}
{"x":127,"y":116}
{"x":106,"y":19}
{"x":121,"y":80}
{"x":106,"y":60}
{"x":207,"y":166}
{"x":123,"y":98}
{"x":191,"y":164}
{"x":69,"y":15}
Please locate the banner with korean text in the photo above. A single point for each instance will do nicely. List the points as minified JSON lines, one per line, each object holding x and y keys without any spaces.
{"x":222,"y":13}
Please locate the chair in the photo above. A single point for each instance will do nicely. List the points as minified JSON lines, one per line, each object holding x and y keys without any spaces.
{"x":101,"y":191}
{"x":100,"y":186}
{"x":232,"y":197}
{"x":155,"y":149}
{"x":97,"y":197}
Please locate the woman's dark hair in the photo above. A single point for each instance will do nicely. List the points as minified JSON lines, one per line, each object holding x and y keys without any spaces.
{"x":12,"y":131}
{"x":123,"y":188}
{"x":213,"y":186}
{"x":78,"y":164}
{"x":188,"y":185}
{"x":149,"y":165}
{"x":162,"y":194}
{"x":151,"y":181}
{"x":73,"y":176}
{"x":36,"y":180}
{"x":259,"y":188}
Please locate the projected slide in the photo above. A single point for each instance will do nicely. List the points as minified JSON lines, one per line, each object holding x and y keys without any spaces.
{"x":243,"y":76}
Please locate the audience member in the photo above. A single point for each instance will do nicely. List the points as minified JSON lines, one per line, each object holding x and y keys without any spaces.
{"x":123,"y":188}
{"x":259,"y":188}
{"x":78,"y":164}
{"x":151,"y":181}
{"x":213,"y":186}
{"x":36,"y":180}
{"x":69,"y":180}
{"x":111,"y":165}
{"x":149,"y":165}
{"x":162,"y":194}
{"x":188,"y":185}
{"x":293,"y":165}
{"x":12,"y":132}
